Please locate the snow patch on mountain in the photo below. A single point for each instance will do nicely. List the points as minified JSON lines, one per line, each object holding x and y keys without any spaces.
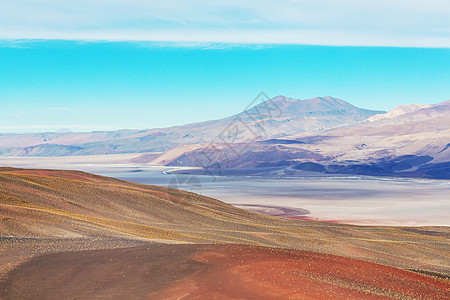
{"x":398,"y":111}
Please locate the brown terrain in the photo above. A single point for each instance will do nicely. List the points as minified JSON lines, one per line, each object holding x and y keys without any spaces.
{"x":213,"y":272}
{"x":48,"y":211}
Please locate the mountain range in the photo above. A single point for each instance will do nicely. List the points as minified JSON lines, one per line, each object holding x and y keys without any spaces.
{"x":412,"y":142}
{"x":273,"y":118}
{"x":278,"y":137}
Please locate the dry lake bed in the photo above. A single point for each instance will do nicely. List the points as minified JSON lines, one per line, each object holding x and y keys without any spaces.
{"x":360,"y":200}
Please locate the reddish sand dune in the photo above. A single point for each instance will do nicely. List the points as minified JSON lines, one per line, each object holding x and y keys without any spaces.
{"x":213,"y":272}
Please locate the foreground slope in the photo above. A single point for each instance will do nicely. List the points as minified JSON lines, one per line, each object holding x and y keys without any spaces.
{"x":72,"y":205}
{"x":213,"y":272}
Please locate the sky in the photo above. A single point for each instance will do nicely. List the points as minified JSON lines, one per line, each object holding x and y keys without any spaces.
{"x":416,"y":23}
{"x":108,"y":65}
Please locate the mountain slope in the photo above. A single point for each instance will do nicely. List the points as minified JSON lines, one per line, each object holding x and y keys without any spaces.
{"x":409,"y":144}
{"x":273,"y":118}
{"x":50,"y":205}
{"x":398,"y":111}
{"x":283,"y":116}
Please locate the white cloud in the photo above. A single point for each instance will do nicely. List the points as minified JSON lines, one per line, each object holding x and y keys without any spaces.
{"x":422,"y":23}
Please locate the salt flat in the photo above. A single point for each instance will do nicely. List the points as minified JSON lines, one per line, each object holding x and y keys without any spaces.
{"x":344,"y":199}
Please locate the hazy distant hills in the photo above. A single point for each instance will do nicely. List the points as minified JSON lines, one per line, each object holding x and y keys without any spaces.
{"x":274,"y":118}
{"x":280,"y":136}
{"x":408,"y":141}
{"x":398,"y":111}
{"x":283,"y":116}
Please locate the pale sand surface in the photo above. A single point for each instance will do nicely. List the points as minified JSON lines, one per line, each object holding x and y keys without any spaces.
{"x":345,"y":199}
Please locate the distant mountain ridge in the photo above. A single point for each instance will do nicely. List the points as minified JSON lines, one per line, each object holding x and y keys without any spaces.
{"x":278,"y":137}
{"x":274,"y":118}
{"x":414,"y":144}
{"x":398,"y":111}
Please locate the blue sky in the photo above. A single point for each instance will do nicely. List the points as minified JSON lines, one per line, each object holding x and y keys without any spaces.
{"x":103,"y":86}
{"x":106,"y":65}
